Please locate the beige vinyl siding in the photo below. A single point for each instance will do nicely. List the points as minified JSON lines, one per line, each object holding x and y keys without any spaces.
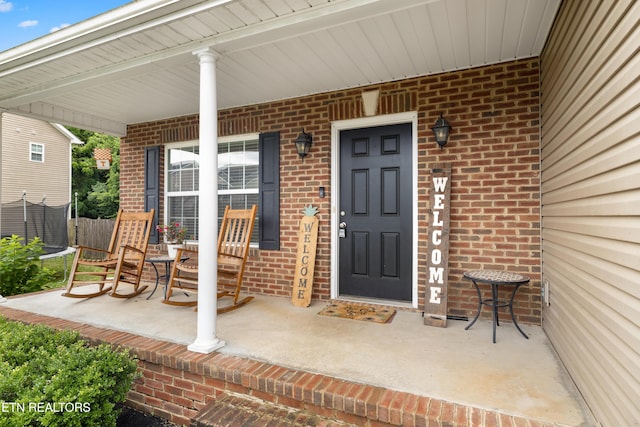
{"x":590,"y":119}
{"x":51,"y":177}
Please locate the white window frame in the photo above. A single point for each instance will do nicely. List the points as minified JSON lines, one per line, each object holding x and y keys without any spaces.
{"x":33,"y":152}
{"x":193,"y":143}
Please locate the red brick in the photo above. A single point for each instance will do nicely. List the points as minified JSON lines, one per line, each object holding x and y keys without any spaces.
{"x":309,"y":387}
{"x":395,"y":408}
{"x":384,"y":405}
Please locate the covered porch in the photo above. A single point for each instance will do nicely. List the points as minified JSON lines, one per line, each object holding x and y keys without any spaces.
{"x":153,"y":61}
{"x":533,"y":115}
{"x":353,"y":371}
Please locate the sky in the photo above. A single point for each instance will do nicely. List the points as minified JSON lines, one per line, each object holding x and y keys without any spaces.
{"x":25,"y":20}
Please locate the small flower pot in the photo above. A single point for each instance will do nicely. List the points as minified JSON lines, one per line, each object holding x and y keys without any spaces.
{"x":172,"y":249}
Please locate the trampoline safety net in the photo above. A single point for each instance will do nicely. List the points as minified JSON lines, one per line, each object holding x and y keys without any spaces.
{"x":29,"y":220}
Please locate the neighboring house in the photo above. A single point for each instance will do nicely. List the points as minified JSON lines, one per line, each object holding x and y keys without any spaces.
{"x":36,"y":180}
{"x":542,"y":97}
{"x":36,"y":159}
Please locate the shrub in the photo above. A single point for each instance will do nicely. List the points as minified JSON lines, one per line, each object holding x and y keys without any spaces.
{"x":53,"y":378}
{"x":19,"y":271}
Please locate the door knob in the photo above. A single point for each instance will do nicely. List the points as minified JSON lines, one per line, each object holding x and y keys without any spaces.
{"x":342,"y":232}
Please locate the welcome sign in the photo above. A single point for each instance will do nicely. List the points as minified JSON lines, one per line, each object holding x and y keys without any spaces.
{"x":306,"y":259}
{"x":435,"y":306}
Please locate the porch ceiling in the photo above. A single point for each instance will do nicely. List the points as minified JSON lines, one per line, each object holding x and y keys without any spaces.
{"x":135,"y":63}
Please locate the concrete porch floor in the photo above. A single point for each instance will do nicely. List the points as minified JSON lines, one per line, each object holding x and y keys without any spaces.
{"x":514,"y":376}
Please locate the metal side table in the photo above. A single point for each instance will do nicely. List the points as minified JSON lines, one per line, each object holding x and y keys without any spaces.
{"x":495,"y":279}
{"x":166,"y":260}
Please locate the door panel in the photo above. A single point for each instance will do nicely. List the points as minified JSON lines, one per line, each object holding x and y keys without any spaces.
{"x":360,"y":253}
{"x":375,"y":254}
{"x":390,"y":252}
{"x":390,"y":191}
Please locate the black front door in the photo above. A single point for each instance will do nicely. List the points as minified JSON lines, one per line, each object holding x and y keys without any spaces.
{"x":375,"y":235}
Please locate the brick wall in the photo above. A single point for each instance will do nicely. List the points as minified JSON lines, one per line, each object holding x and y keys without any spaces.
{"x":493,"y":150}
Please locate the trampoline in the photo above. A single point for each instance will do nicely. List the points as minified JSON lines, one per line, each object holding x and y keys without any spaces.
{"x":49,"y":223}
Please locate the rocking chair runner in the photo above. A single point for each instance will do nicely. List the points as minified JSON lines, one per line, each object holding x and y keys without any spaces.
{"x":121,"y":263}
{"x":233,"y":249}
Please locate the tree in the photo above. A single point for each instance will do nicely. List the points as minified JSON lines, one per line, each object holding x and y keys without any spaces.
{"x":98,"y":190}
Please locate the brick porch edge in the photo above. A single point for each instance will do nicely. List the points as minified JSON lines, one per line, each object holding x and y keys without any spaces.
{"x":176,"y":384}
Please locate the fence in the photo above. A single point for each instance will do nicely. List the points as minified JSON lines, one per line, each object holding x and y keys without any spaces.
{"x":94,"y":233}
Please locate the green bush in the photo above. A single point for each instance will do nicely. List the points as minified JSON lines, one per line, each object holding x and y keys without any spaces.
{"x":19,"y":270}
{"x":53,"y":378}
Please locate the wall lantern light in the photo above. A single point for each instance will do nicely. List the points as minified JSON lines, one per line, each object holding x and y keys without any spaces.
{"x":441,"y":131}
{"x":303,"y":143}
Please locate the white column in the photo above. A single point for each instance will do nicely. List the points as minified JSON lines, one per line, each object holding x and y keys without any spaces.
{"x":2,"y":299}
{"x":206,"y":340}
{"x":1,"y":144}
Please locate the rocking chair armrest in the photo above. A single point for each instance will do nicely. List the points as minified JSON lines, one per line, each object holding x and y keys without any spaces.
{"x":80,"y":248}
{"x":179,"y":251}
{"x":222,"y":254}
{"x":130,"y":248}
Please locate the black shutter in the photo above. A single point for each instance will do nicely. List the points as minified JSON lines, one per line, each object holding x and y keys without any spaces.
{"x":269,"y":209}
{"x":152,"y":187}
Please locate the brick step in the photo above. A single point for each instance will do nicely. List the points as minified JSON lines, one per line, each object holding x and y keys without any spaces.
{"x":231,"y":409}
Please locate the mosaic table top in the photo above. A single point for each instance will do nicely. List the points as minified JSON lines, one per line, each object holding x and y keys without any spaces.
{"x":496,"y":277}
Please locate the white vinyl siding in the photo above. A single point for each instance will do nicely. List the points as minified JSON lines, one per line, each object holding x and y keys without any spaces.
{"x":51,"y":178}
{"x":591,"y":202}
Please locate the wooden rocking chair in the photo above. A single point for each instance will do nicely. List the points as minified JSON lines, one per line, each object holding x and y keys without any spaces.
{"x":233,"y":249}
{"x":121,"y":263}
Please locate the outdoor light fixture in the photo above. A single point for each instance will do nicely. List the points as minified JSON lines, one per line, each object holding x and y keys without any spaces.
{"x":303,"y":143}
{"x":441,"y":131}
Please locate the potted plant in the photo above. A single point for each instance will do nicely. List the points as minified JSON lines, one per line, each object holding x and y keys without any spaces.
{"x":174,"y":236}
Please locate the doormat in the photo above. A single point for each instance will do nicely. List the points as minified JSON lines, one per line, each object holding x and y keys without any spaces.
{"x":358,"y":312}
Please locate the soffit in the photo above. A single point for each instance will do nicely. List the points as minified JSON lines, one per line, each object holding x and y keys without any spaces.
{"x":135,"y":63}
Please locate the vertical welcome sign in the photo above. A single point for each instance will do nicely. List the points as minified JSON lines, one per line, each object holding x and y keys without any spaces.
{"x":306,"y":259}
{"x":435,"y":306}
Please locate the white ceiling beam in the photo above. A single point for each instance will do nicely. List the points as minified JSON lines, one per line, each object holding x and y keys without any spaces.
{"x":69,"y":117}
{"x":107,"y":74}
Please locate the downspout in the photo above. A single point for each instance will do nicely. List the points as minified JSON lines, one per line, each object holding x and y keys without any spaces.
{"x":206,"y":339}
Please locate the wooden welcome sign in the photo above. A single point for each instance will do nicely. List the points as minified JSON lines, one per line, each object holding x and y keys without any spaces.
{"x":306,"y":259}
{"x":435,"y":305}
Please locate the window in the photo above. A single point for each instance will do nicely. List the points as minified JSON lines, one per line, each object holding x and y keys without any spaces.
{"x":237,"y":179}
{"x":36,"y":152}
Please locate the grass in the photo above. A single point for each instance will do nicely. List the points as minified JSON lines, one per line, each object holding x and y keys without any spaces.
{"x":57,"y":266}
